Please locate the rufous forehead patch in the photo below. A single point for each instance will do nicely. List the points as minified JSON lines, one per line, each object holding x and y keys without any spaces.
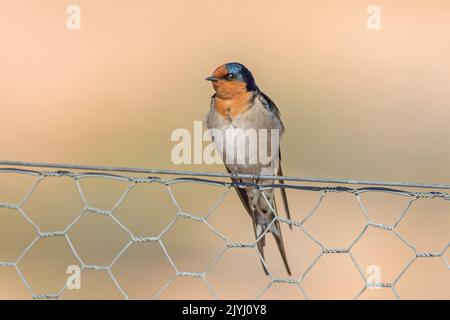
{"x":221,"y":71}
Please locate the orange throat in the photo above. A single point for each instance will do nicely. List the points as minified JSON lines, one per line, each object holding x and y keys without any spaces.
{"x":234,"y":106}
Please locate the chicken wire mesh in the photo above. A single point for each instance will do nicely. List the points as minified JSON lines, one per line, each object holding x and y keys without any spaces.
{"x":132,"y":181}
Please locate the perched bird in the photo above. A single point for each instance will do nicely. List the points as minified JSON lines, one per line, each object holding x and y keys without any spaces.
{"x":239,"y":105}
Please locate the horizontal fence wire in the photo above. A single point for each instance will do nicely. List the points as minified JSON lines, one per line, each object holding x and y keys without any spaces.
{"x":76,"y":173}
{"x":222,"y":175}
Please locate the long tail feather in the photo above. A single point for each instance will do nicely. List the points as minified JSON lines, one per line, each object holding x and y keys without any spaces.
{"x":276,"y":231}
{"x":261,"y":243}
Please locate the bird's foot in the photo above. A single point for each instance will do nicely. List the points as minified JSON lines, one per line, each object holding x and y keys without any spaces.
{"x":234,"y":175}
{"x":256,"y":177}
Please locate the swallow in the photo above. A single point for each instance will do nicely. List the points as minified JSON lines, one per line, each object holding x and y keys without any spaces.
{"x":237,"y":105}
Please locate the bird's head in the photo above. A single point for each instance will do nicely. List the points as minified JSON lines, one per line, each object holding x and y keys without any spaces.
{"x":232,"y":79}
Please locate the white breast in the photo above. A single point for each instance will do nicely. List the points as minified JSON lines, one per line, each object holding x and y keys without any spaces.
{"x":242,"y":149}
{"x":238,"y":143}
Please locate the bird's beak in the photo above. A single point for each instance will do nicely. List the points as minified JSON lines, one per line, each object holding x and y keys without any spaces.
{"x":212,"y":78}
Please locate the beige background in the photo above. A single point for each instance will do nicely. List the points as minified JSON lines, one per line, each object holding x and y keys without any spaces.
{"x":356,"y":104}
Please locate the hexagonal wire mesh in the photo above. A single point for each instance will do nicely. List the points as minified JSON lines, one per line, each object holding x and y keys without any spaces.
{"x":102,"y":172}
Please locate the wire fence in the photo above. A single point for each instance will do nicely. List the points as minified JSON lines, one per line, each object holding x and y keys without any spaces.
{"x":78,"y":173}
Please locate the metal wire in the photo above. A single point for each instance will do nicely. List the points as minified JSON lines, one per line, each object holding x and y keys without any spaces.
{"x":103,"y":172}
{"x":223,"y":175}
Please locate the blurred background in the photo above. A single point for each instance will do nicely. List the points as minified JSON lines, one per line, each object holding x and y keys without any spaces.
{"x":357,"y":103}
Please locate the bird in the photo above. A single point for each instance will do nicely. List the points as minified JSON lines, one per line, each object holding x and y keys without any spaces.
{"x":236,"y":106}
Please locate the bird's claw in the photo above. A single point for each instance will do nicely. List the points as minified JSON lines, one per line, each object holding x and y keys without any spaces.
{"x":256,"y":177}
{"x":234,"y":175}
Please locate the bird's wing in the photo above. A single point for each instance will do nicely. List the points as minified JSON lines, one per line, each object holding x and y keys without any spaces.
{"x":271,"y":107}
{"x":283,"y":192}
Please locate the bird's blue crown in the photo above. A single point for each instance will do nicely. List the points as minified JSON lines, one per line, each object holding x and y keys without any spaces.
{"x":242,"y":74}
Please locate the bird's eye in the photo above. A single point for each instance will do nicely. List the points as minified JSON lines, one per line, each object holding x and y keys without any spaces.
{"x":231,"y":76}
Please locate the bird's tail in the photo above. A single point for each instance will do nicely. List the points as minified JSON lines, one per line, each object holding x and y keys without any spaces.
{"x":276,"y":232}
{"x":261,"y":244}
